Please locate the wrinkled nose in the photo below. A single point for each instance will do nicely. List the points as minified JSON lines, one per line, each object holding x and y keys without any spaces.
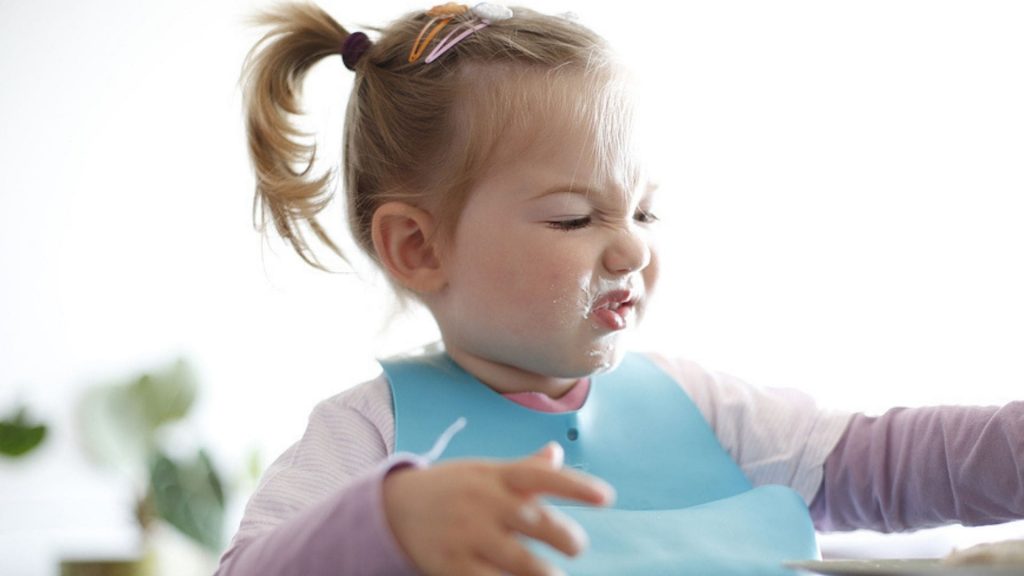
{"x":629,"y":252}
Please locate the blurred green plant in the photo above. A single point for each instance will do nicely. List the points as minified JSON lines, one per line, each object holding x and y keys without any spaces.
{"x":19,"y":435}
{"x":125,"y":426}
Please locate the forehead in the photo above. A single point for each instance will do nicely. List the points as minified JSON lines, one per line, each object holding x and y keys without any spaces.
{"x":583,"y":122}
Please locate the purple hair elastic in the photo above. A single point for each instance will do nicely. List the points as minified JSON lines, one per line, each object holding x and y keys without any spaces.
{"x":353,"y":48}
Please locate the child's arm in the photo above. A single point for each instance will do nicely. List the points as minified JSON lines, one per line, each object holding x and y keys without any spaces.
{"x":319,"y":508}
{"x":920,"y":467}
{"x":455,"y":518}
{"x":346,"y":533}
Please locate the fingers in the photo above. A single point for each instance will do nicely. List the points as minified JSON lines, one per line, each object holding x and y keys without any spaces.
{"x":530,"y":477}
{"x":548,"y":525}
{"x":552,"y":453}
{"x":511,"y":556}
{"x":475,"y":567}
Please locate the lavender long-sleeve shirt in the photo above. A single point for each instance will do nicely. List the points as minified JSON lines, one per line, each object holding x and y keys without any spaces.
{"x":920,"y":467}
{"x":319,"y":509}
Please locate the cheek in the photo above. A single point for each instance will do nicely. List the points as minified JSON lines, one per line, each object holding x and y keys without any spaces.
{"x":545,"y":285}
{"x":569,"y":293}
{"x":533,"y":264}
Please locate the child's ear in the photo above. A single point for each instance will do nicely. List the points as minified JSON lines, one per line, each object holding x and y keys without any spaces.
{"x":403,"y":237}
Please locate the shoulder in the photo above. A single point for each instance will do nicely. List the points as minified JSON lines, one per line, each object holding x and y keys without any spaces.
{"x":716,"y":393}
{"x":347,"y":435}
{"x":692,"y":376}
{"x":710,"y":391}
{"x":366,"y":406}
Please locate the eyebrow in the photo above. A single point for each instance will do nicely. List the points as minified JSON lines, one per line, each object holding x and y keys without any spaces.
{"x":585,"y":191}
{"x":564,"y":189}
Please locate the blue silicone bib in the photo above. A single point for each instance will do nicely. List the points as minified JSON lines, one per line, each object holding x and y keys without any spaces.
{"x":683,"y":505}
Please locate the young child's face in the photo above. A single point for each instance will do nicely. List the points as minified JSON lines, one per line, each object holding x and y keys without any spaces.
{"x":552,"y":261}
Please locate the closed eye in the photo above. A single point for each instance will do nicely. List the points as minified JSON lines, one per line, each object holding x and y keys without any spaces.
{"x":645,"y":216}
{"x":573,"y":224}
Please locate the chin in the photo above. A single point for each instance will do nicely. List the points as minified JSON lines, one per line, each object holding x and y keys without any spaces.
{"x":603,"y":360}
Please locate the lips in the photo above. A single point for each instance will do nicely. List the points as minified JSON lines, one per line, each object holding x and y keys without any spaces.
{"x":612,"y":309}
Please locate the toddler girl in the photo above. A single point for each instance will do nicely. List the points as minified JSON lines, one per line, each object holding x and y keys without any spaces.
{"x":491,"y":171}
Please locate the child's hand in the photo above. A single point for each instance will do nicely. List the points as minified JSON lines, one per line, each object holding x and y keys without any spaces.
{"x":466,"y":517}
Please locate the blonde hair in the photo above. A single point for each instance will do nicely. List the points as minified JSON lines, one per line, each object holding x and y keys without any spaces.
{"x":415,"y":132}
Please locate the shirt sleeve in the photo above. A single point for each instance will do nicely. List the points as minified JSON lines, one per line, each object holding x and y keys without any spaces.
{"x":775,"y":435}
{"x":914,"y":468}
{"x":319,"y":508}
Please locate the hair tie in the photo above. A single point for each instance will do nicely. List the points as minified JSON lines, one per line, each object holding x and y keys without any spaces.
{"x":353,"y":48}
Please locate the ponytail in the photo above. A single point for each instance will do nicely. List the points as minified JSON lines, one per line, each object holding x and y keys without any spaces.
{"x":300,"y":35}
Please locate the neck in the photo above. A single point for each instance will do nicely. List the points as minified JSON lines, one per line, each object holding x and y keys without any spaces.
{"x":507,"y":379}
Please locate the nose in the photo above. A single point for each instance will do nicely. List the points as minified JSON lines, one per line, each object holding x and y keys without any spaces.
{"x":630,"y":251}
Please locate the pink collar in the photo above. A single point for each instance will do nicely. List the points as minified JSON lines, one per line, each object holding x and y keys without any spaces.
{"x":571,"y":400}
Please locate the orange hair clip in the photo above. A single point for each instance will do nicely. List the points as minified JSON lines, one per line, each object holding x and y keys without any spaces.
{"x":448,"y":10}
{"x":440,"y":16}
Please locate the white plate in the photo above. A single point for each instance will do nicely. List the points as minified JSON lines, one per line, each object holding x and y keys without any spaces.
{"x":929,"y":567}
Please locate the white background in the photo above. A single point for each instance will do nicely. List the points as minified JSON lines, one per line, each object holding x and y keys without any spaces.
{"x":841,"y":192}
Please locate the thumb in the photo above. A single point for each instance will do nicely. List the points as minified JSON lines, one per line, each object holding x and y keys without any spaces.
{"x":551,"y":453}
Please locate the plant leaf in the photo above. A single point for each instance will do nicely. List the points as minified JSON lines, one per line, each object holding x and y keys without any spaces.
{"x":190,"y":497}
{"x":113,"y":429}
{"x":119,"y":422}
{"x":167,"y":395}
{"x":18,"y":437}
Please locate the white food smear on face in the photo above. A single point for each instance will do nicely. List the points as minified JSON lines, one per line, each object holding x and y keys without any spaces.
{"x":602,"y":353}
{"x":586,"y":298}
{"x":1006,"y":553}
{"x":566,"y":306}
{"x":590,"y":294}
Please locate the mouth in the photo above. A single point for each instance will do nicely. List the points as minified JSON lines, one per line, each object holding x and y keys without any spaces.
{"x":614,"y":309}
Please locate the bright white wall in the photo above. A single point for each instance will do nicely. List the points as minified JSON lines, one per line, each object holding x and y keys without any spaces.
{"x":842,"y":185}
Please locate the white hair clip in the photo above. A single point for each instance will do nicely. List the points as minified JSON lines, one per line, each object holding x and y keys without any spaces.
{"x":492,"y":12}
